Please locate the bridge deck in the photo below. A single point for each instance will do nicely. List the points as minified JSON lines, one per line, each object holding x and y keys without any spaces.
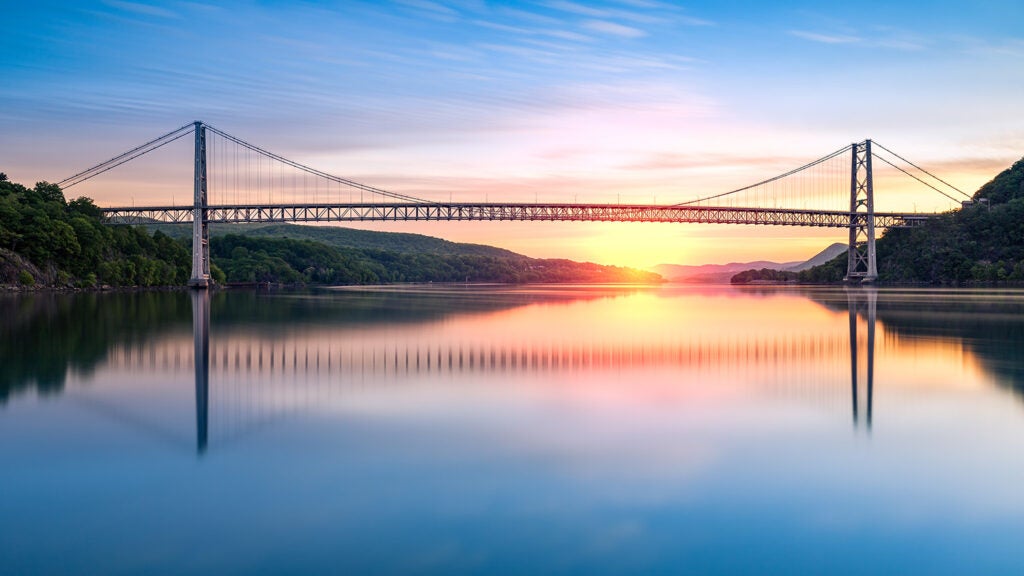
{"x":359,"y":212}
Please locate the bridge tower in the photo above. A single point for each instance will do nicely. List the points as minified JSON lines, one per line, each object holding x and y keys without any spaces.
{"x":200,"y":227}
{"x":861,"y":263}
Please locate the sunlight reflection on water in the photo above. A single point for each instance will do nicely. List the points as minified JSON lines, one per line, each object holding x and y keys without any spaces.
{"x":511,"y":429}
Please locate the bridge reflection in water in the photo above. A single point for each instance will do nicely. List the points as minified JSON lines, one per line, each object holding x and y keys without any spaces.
{"x":262,"y":377}
{"x":862,"y":302}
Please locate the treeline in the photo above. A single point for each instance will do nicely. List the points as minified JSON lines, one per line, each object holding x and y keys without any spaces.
{"x":831,"y":272}
{"x":763,"y":275}
{"x":246,"y":259}
{"x":46,"y":240}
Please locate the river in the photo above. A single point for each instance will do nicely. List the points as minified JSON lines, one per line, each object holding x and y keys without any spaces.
{"x":496,"y":429}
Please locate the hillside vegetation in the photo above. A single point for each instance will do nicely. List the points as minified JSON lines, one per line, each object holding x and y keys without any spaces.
{"x":247,"y":259}
{"x":290,"y":253}
{"x":983,"y":242}
{"x":46,"y":240}
{"x":339,"y":237}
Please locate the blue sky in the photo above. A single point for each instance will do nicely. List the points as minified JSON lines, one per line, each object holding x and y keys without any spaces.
{"x":636,"y":99}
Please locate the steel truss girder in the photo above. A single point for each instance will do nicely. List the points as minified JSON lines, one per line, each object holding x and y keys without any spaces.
{"x":454,"y":212}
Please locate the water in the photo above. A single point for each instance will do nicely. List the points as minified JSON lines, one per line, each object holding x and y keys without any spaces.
{"x":513,"y":430}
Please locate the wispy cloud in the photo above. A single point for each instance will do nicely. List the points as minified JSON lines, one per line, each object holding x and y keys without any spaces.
{"x":613,"y":29}
{"x":524,"y":31}
{"x":692,"y":21}
{"x":648,"y":15}
{"x":432,"y":9}
{"x":142,"y":9}
{"x":826,"y":38}
{"x":671,"y":161}
{"x":876,"y":37}
{"x":989,"y":166}
{"x":581,"y":9}
{"x":1012,"y":47}
{"x":895,"y":38}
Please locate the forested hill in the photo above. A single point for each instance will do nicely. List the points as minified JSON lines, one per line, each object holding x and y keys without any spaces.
{"x":982,"y":242}
{"x":339,"y":237}
{"x":248,"y":259}
{"x":291,"y":253}
{"x":47,"y":241}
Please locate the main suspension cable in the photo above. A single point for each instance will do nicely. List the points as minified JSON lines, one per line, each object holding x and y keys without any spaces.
{"x":915,"y":177}
{"x":921,"y":169}
{"x":127,"y":156}
{"x":319,"y":173}
{"x":770,"y":180}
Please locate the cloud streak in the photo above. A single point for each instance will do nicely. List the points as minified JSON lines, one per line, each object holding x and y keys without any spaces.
{"x":142,"y":9}
{"x":613,"y":29}
{"x":826,"y":38}
{"x":878,"y":37}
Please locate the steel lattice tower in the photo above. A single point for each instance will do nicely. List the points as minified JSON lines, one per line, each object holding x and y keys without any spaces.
{"x":861,"y":264}
{"x":200,"y":221}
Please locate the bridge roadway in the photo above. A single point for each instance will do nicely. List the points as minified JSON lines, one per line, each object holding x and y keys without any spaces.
{"x":551,"y":212}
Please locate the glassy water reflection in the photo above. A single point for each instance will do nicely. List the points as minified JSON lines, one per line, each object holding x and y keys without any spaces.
{"x":556,"y":429}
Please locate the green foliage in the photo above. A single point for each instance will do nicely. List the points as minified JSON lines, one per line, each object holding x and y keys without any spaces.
{"x":25,"y":278}
{"x":979,"y":243}
{"x":763,"y":275}
{"x":344,"y":238}
{"x":247,"y":259}
{"x":71,"y":237}
{"x":218,"y":275}
{"x":828,"y":273}
{"x":50,"y":193}
{"x":1008,"y":185}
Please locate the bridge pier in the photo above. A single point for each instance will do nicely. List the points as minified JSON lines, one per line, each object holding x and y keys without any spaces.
{"x":861,"y":263}
{"x":200,"y":226}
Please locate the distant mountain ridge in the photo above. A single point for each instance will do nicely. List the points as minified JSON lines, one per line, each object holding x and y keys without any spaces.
{"x":722,"y":273}
{"x":820,"y":258}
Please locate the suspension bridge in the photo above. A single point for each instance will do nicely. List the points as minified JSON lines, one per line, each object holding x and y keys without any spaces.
{"x":238,"y":182}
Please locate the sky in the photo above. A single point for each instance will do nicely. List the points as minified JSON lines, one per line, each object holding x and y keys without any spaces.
{"x":552,"y":100}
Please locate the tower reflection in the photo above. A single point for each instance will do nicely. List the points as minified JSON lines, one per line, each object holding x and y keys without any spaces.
{"x":862,"y":301}
{"x":201,"y":338}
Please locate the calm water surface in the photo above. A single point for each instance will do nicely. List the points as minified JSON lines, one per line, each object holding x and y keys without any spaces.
{"x":513,"y":430}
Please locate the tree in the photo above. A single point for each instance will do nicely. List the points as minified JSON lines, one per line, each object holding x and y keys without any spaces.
{"x":85,"y":207}
{"x":50,"y":192}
